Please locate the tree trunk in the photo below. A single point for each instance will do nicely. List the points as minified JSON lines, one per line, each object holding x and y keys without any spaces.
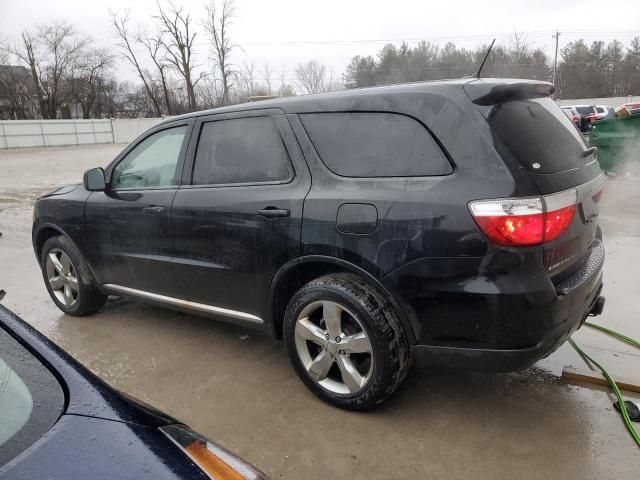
{"x":34,"y":77}
{"x":156,"y":106}
{"x":192,"y":97}
{"x":165,"y":90}
{"x":190,"y":91}
{"x":225,"y":83}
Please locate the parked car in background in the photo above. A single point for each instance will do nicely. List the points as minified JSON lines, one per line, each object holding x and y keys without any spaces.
{"x":633,"y":107}
{"x":581,"y":115}
{"x":603,"y":112}
{"x":572,"y":115}
{"x":59,"y":421}
{"x":456,"y":217}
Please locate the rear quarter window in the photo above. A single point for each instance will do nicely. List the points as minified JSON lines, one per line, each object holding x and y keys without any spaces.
{"x":369,"y":144}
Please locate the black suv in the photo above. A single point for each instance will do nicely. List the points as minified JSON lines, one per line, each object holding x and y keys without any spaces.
{"x":455,"y":217}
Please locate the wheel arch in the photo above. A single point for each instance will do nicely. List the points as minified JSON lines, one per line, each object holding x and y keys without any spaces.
{"x":43,"y":233}
{"x":49,"y":230}
{"x":299,"y":271}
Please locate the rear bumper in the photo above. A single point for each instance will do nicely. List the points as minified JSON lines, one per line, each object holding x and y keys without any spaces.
{"x":505,"y":360}
{"x":506,"y":321}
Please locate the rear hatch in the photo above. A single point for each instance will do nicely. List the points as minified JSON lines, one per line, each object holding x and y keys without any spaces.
{"x":536,"y":139}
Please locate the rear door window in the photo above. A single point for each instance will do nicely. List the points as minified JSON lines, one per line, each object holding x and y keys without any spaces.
{"x":540,"y":136}
{"x":241,"y":150}
{"x":31,"y":399}
{"x":370,"y":144}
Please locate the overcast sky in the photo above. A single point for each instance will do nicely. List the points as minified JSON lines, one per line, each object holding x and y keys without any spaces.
{"x":264,"y":29}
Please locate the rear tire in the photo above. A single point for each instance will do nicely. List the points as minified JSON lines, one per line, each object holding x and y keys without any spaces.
{"x":345,"y":342}
{"x":68,"y":279}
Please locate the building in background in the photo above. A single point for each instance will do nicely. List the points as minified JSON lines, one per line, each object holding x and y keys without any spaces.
{"x":18,"y":97}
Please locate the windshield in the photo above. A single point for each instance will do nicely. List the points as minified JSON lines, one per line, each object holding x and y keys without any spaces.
{"x":538,"y":134}
{"x":31,"y":400}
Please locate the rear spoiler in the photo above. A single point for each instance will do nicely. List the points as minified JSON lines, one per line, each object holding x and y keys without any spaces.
{"x":487,"y":94}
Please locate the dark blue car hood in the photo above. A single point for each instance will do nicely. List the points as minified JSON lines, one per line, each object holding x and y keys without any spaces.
{"x":90,"y":448}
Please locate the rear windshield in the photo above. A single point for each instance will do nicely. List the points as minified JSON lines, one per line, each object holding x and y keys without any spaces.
{"x":31,"y":400}
{"x":539,"y":135}
{"x":584,"y":110}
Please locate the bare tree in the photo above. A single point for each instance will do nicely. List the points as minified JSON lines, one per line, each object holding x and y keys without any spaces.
{"x":87,"y":77}
{"x":179,"y":46}
{"x":61,"y":45}
{"x":311,"y":77}
{"x":267,"y":74}
{"x":519,"y":47}
{"x":4,"y":51}
{"x":27,"y":53}
{"x":208,"y":93}
{"x":126,"y":44}
{"x":249,"y":77}
{"x":283,"y":77}
{"x":285,"y":89}
{"x":49,"y":54}
{"x":217,"y":25}
{"x":154,"y":46}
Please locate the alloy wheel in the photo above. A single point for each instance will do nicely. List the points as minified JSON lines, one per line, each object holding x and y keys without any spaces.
{"x":62,"y":277}
{"x":334,"y":347}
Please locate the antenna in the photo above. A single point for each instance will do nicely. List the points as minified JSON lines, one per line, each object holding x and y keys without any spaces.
{"x":477,"y":75}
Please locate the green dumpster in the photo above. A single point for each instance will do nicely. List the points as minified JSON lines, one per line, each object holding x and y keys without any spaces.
{"x":618,"y":142}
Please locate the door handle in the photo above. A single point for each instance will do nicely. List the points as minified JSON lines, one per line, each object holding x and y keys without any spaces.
{"x":153,"y":210}
{"x":273,"y":212}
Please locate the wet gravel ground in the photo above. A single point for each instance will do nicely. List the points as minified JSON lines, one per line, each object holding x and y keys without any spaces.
{"x":237,"y":387}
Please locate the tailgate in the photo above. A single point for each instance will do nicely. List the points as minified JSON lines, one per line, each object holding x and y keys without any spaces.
{"x":535,"y":137}
{"x":567,"y":253}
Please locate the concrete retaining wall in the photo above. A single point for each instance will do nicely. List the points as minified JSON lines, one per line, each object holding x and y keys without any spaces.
{"x":57,"y":133}
{"x":125,"y":130}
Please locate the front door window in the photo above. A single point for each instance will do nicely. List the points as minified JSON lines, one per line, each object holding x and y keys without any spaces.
{"x":152,"y":163}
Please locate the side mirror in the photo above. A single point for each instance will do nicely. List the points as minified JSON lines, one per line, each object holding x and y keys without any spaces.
{"x":94,"y":180}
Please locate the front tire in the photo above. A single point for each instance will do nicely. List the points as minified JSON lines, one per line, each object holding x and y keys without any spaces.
{"x":68,"y":279}
{"x":346,"y":342}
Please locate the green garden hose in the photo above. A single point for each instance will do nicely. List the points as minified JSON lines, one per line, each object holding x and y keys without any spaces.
{"x":617,"y":335}
{"x":610,"y":379}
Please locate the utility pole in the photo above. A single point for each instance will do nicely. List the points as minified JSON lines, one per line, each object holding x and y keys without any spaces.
{"x":555,"y":58}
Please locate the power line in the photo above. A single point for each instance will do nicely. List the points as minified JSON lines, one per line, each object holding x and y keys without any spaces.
{"x":372,"y":41}
{"x":534,"y":33}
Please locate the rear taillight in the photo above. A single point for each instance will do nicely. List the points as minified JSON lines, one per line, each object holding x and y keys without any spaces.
{"x":518,"y":222}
